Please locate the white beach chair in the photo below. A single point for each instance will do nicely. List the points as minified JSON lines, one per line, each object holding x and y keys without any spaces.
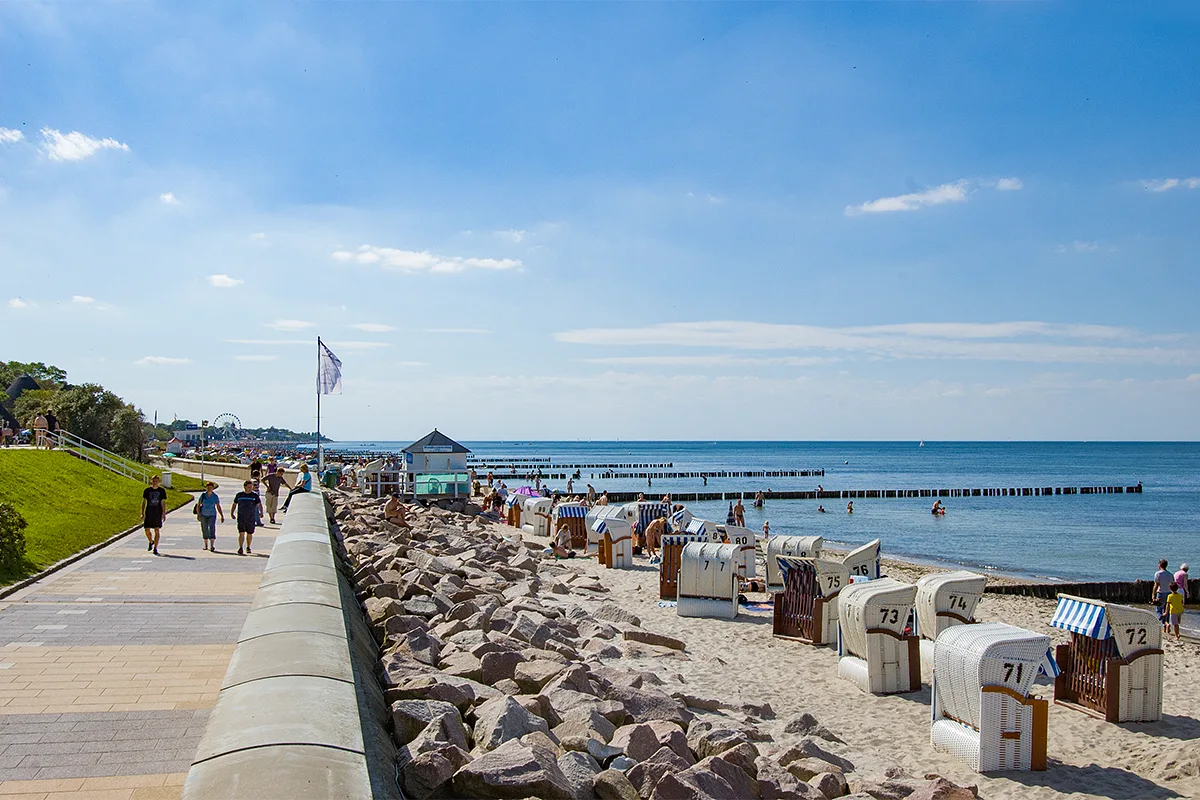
{"x":1113,"y":667}
{"x":944,"y":600}
{"x":806,"y":608}
{"x":982,"y":710}
{"x":608,"y":515}
{"x":743,"y":539}
{"x":876,"y":649}
{"x":574,"y":516}
{"x":708,"y":581}
{"x":864,"y":561}
{"x":700,"y":528}
{"x":535,"y":515}
{"x":794,"y":546}
{"x":671,"y":555}
{"x":679,"y":519}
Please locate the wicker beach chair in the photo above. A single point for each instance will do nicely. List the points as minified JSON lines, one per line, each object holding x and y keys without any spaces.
{"x":512,"y":509}
{"x":535,"y":516}
{"x":671,"y":554}
{"x":944,"y":600}
{"x":743,"y":539}
{"x":610,"y":516}
{"x":708,"y":581}
{"x":794,"y":546}
{"x":982,"y":710}
{"x":864,"y":561}
{"x":806,"y":608}
{"x":876,"y":647}
{"x":574,"y":516}
{"x":1113,"y":667}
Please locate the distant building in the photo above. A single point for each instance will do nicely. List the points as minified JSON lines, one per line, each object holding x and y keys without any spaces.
{"x":188,"y":435}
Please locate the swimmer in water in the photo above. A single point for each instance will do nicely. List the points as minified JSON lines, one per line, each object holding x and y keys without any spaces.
{"x":821,"y":509}
{"x":850,"y":507}
{"x":939,"y":509}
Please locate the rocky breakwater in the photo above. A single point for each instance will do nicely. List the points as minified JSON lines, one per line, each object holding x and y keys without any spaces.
{"x":509,"y":675}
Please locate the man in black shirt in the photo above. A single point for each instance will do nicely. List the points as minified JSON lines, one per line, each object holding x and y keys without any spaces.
{"x":246,"y":508}
{"x":154,"y":506}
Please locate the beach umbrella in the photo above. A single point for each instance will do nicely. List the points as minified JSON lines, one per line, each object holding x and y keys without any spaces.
{"x":528,"y":491}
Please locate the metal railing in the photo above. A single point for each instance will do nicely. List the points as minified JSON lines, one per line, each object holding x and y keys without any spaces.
{"x":95,"y":454}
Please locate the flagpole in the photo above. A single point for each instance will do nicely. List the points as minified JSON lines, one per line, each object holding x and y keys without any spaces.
{"x":320,"y":454}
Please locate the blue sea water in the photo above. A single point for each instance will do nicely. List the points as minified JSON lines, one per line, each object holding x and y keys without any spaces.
{"x":1077,"y":537}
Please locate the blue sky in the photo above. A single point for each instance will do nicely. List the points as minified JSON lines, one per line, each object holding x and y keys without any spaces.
{"x":528,"y":220}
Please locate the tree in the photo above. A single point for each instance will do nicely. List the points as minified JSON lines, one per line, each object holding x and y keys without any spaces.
{"x":87,"y":411}
{"x":127,"y":434}
{"x":34,"y":402}
{"x":47,"y":375}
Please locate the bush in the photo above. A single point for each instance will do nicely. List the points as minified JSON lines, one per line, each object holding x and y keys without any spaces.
{"x":12,"y":537}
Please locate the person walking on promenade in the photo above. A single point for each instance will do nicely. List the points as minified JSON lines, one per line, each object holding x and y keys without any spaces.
{"x":256,"y":468}
{"x":154,"y":506}
{"x":246,"y":508}
{"x":7,"y":433}
{"x":739,"y":514}
{"x":303,"y":484}
{"x":1181,"y":577}
{"x":207,"y":509}
{"x":1162,"y":587}
{"x":274,"y":480}
{"x":51,"y":429}
{"x":39,"y":430}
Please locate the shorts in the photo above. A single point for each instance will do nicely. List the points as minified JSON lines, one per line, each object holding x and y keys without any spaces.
{"x":1175,"y":619}
{"x":245,"y":526}
{"x":154,"y":519}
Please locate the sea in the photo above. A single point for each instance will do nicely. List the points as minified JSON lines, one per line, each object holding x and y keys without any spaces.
{"x":1102,"y":537}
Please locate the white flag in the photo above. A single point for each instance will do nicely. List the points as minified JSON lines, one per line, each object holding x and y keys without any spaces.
{"x":329,"y":371}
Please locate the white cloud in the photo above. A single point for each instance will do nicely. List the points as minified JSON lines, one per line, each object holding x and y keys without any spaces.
{"x":1078,"y":246}
{"x":1009,"y":184}
{"x":1166,"y":184}
{"x":357,"y":345}
{"x":1001,"y":341}
{"x":9,"y":135}
{"x":711,"y":361}
{"x":289,"y":324}
{"x":82,"y":300}
{"x":17,"y":302}
{"x":512,"y":235}
{"x":75,"y":146}
{"x":271,"y":342}
{"x":258,"y":237}
{"x":255,"y":358}
{"x":422,"y":261}
{"x":946,"y":193}
{"x":223,"y":281}
{"x":457,"y":330}
{"x":373,"y":327}
{"x":168,"y":199}
{"x":165,"y":360}
{"x":716,"y":200}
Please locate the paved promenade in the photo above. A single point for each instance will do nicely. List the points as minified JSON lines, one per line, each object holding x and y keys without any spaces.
{"x":109,"y":668}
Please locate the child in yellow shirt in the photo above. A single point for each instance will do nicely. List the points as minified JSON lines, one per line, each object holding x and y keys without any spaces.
{"x":1175,"y":608}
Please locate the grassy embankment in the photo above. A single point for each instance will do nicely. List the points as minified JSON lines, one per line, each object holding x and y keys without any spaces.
{"x":69,"y":504}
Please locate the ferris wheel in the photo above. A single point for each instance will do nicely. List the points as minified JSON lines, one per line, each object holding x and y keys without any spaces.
{"x":226,"y":426}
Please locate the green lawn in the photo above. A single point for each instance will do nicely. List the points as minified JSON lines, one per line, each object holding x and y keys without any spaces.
{"x":69,"y":504}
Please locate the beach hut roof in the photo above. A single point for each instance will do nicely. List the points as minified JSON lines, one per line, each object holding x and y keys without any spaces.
{"x":436,"y":442}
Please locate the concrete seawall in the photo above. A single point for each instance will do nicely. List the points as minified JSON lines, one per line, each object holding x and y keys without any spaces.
{"x":300,"y":713}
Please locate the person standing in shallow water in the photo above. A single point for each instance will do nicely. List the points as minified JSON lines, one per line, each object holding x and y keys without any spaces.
{"x":154,"y":510}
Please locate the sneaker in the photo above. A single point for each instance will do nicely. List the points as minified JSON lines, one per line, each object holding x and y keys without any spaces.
{"x":240,"y":552}
{"x":149,"y":546}
{"x":156,"y":551}
{"x":248,"y":551}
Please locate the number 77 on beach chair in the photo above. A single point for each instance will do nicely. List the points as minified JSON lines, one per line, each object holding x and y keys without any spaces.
{"x":1113,"y":667}
{"x":982,"y":710}
{"x":708,"y":581}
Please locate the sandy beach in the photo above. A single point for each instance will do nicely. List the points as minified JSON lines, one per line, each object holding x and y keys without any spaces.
{"x":741,"y":662}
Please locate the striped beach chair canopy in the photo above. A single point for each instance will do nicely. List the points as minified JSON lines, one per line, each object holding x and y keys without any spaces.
{"x":1078,"y":615}
{"x":697,"y":526}
{"x":515,"y":500}
{"x":569,"y":511}
{"x":648,"y":512}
